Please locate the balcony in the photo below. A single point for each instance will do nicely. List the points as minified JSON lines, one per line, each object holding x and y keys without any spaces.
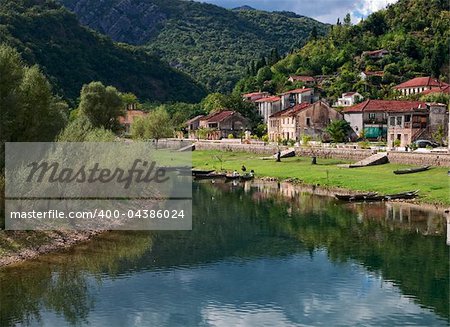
{"x":377,"y":121}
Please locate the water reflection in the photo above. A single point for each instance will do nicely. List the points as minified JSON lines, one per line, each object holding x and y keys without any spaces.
{"x":253,"y":258}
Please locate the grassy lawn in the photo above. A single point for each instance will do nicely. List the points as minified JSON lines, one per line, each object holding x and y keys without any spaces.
{"x":434,"y":185}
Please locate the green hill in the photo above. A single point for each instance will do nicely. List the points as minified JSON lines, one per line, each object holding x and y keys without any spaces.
{"x":212,"y":44}
{"x":416,"y":34}
{"x":49,"y":35}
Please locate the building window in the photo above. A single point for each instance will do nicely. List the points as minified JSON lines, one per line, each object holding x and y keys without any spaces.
{"x":372,"y":115}
{"x":407,"y":118}
{"x":308,"y":121}
{"x":392,"y":121}
{"x":399,"y":120}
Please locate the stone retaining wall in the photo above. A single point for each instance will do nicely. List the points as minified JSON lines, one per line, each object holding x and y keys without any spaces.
{"x":344,"y":154}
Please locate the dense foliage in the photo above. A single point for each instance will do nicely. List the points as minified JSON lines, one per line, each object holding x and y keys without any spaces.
{"x":415,"y":32}
{"x":71,"y":55}
{"x":28,"y":109}
{"x":156,"y":125}
{"x":211,"y":43}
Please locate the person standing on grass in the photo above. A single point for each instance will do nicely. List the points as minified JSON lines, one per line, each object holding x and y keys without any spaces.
{"x":279,"y":156}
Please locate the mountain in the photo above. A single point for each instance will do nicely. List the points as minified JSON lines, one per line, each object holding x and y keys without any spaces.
{"x":71,"y":55}
{"x":211,"y":43}
{"x":245,"y":7}
{"x":415,"y":35}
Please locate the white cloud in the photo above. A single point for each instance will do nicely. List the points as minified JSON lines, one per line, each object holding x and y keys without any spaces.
{"x":366,"y":7}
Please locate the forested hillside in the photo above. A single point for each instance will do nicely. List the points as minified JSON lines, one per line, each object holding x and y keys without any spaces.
{"x":71,"y":55}
{"x":416,"y":34}
{"x":212,"y":44}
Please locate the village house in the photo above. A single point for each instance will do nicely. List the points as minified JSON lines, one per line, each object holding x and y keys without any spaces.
{"x":221,"y":124}
{"x":308,"y":81}
{"x":302,"y":119}
{"x":419,"y":85}
{"x":291,"y":98}
{"x":375,"y":54}
{"x":348,"y":99}
{"x":365,"y":75}
{"x":252,"y":97}
{"x":445,"y":89}
{"x":410,"y":124}
{"x":192,"y":125}
{"x":131,"y":114}
{"x":370,"y":118}
{"x":268,"y":106}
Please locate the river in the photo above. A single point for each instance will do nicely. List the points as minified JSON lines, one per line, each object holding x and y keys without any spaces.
{"x":258,"y":255}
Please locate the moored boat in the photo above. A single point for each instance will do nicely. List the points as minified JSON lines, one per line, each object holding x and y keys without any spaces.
{"x":210,"y":176}
{"x":411,"y":170}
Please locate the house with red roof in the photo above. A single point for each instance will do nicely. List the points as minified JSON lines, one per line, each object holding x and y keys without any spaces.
{"x":132,"y":113}
{"x":306,"y":80}
{"x":375,"y":54}
{"x":419,"y":85}
{"x":220,"y":124}
{"x":252,"y":97}
{"x":293,"y":97}
{"x":268,"y":106}
{"x":370,"y":118}
{"x":367,"y":74}
{"x":302,"y":119}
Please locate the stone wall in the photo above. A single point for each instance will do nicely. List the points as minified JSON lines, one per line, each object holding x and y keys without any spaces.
{"x":344,"y":154}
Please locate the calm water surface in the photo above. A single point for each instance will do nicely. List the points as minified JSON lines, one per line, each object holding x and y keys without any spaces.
{"x":257,"y":256}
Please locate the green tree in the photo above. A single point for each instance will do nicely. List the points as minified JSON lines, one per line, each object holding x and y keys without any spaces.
{"x":28,"y":109}
{"x":338,"y":130}
{"x":156,"y":125}
{"x":101,"y":105}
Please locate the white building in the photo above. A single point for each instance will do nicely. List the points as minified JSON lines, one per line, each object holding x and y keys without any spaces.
{"x":294,"y":97}
{"x":268,"y":106}
{"x":349,"y":99}
{"x":419,"y":85}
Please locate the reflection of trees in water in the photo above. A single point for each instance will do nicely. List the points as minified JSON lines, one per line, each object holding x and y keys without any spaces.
{"x":232,"y":222}
{"x":64,"y":282}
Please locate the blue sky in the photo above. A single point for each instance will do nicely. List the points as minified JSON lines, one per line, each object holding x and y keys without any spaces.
{"x":326,"y":11}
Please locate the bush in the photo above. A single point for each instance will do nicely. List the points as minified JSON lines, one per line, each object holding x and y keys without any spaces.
{"x":306,"y":139}
{"x":230,"y":136}
{"x":265,"y":138}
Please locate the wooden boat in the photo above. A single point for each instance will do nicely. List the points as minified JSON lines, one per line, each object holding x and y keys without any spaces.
{"x":372,"y":197}
{"x":210,"y":176}
{"x":411,"y":170}
{"x":232,"y":177}
{"x":246,"y":177}
{"x":355,"y":197}
{"x":196,"y":172}
{"x":404,"y":195}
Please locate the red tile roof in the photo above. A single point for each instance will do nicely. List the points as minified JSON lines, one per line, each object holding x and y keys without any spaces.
{"x":297,"y":91}
{"x":303,"y":78}
{"x":218,"y":116}
{"x":291,"y":111}
{"x":253,"y":94}
{"x":386,"y":106}
{"x":374,"y":52}
{"x":421,"y":81}
{"x":269,"y":99}
{"x":193,"y":120}
{"x":376,"y":73}
{"x":445,"y":89}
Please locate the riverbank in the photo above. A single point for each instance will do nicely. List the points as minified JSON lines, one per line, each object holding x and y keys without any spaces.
{"x":18,"y":246}
{"x":434,"y":185}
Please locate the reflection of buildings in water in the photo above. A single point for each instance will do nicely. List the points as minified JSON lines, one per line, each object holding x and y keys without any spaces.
{"x":447,"y":216}
{"x":403,"y":215}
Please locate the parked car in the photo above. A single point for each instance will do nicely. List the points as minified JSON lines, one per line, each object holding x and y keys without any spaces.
{"x":425,"y":144}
